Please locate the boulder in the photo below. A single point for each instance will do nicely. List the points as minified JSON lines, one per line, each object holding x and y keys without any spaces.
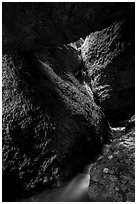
{"x":109,"y":58}
{"x":112,"y":177}
{"x":31,"y":26}
{"x":51,"y":125}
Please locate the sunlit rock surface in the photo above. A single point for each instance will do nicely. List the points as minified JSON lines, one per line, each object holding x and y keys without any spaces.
{"x":51,"y":125}
{"x":109,"y":57}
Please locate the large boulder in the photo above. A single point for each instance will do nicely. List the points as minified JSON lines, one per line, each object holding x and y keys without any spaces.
{"x":28,"y":26}
{"x":112,"y":177}
{"x":51,"y":125}
{"x":109,"y":57}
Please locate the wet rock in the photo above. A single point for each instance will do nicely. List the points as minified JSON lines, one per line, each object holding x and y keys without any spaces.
{"x":112,"y":177}
{"x":28,"y":26}
{"x":109,"y":57}
{"x":51,"y":125}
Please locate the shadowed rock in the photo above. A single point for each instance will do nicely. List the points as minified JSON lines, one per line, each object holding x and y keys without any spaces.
{"x":51,"y":125}
{"x":109,"y":57}
{"x":28,"y":26}
{"x":112,"y":177}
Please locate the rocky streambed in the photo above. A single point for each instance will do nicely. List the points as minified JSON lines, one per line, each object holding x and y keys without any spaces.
{"x":68,"y":88}
{"x":113,"y":169}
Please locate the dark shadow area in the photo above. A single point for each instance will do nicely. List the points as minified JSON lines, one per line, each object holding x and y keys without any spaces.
{"x":11,"y":188}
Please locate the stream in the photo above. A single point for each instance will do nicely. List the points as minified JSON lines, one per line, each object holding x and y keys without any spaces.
{"x":74,"y":191}
{"x":77,"y":189}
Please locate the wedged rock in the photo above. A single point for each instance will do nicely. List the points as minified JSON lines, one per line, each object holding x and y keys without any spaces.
{"x":109,"y":57}
{"x":28,"y":26}
{"x":51,"y":125}
{"x":112,"y":177}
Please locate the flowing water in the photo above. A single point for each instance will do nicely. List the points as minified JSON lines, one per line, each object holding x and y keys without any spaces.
{"x":77,"y":189}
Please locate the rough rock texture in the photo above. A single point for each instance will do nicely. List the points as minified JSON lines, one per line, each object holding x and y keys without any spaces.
{"x":109,"y":57}
{"x":32,"y":25}
{"x":112,"y":177}
{"x":52,"y":121}
{"x":130,"y":123}
{"x":51,"y":125}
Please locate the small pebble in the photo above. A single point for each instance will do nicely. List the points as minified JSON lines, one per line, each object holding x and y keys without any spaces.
{"x":105,"y":170}
{"x":116,"y":188}
{"x":110,"y":157}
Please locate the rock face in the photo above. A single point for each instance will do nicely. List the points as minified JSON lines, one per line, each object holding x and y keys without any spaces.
{"x":51,"y":124}
{"x":28,"y":26}
{"x":112,"y":177}
{"x":109,"y":57}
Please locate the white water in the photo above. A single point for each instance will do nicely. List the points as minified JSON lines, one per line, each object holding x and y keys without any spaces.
{"x":75,"y":191}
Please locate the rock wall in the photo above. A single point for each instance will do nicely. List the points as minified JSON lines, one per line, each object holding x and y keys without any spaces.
{"x":109,"y":57}
{"x":54,"y":95}
{"x":28,"y":26}
{"x":112,"y":177}
{"x":51,"y":125}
